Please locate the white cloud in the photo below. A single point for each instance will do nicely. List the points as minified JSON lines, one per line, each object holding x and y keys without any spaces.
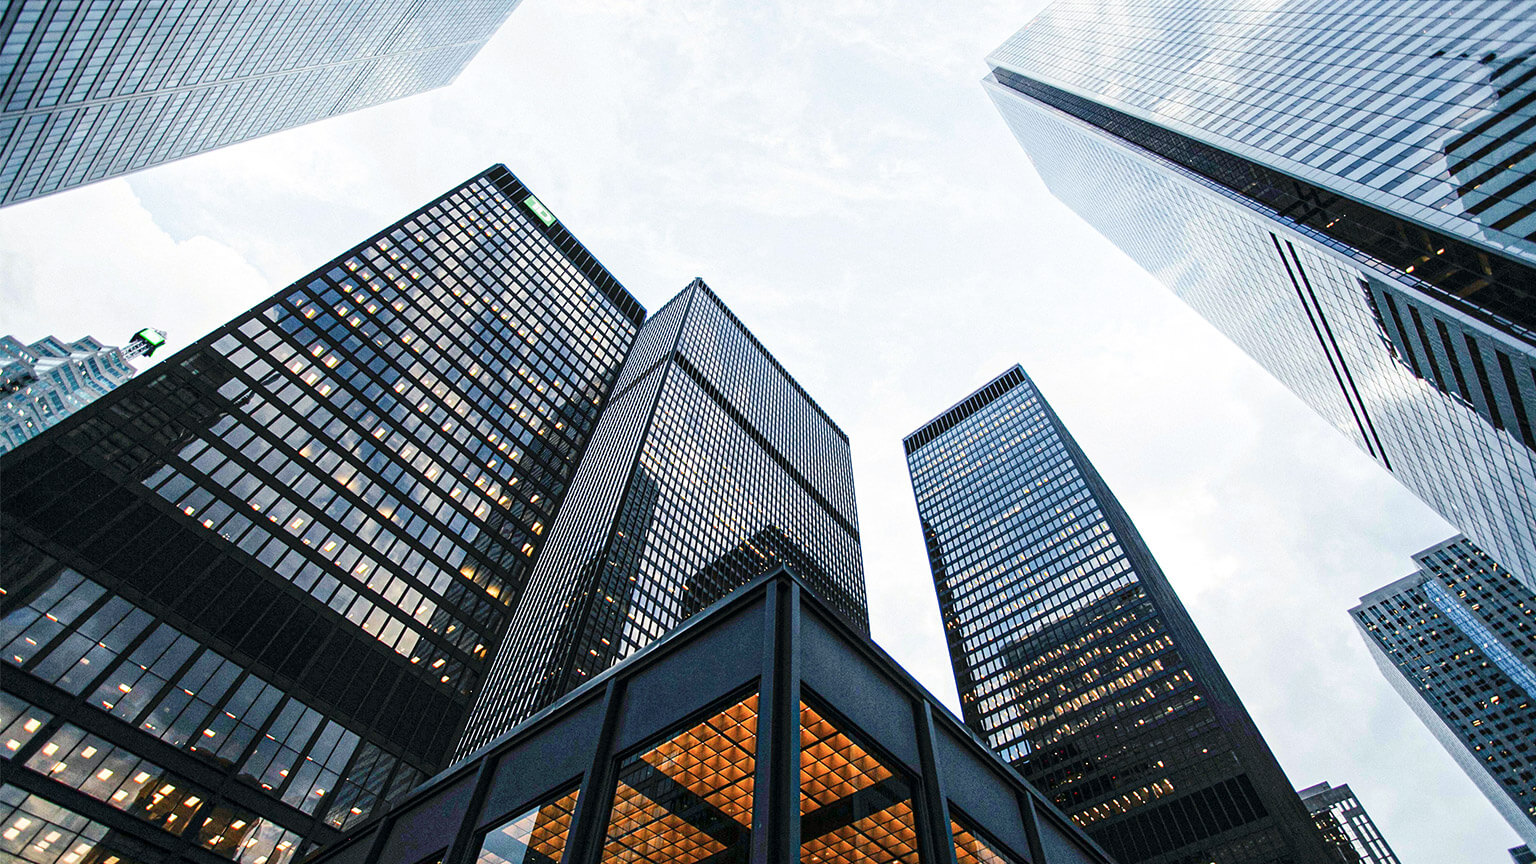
{"x":834,"y":170}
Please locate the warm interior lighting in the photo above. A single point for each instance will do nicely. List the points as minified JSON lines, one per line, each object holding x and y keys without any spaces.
{"x":689,"y":797}
{"x":970,"y":849}
{"x":542,"y":830}
{"x":852,"y":808}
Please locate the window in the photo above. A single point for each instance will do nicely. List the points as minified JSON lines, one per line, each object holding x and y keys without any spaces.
{"x":689,"y":797}
{"x":535,"y":836}
{"x":852,"y":807}
{"x":971,"y":848}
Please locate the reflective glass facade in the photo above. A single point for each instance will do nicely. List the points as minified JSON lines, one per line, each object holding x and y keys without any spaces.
{"x":50,"y":379}
{"x":1362,"y":226}
{"x":91,"y":89}
{"x":1074,"y":658}
{"x":255,"y":589}
{"x":1345,"y":825}
{"x":764,"y":729}
{"x":1457,"y":640}
{"x":710,"y":466}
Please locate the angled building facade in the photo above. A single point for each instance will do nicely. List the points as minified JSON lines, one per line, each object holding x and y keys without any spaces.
{"x":1072,"y":655}
{"x":250,"y":594}
{"x":1345,"y":825}
{"x":98,"y":89}
{"x":1457,"y":640}
{"x":1364,"y":227}
{"x":48,"y":380}
{"x":766,"y":729}
{"x":710,"y":466}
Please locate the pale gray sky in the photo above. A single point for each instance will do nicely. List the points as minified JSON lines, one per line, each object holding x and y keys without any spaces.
{"x":835,"y":172}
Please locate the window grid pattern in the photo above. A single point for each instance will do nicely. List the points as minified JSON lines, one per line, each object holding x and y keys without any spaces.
{"x":1344,"y":823}
{"x":1457,"y":640}
{"x":371,"y":459}
{"x":689,"y":797}
{"x":1423,"y":108}
{"x":169,"y":686}
{"x":1070,"y":660}
{"x":49,"y":380}
{"x":1323,"y":324}
{"x":709,"y":467}
{"x":852,"y":806}
{"x":534,"y":837}
{"x":38,"y":831}
{"x":97,"y":88}
{"x":972,"y":848}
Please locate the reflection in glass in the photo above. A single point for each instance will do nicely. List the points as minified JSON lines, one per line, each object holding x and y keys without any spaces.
{"x":690,"y":797}
{"x":536,"y":836}
{"x":970,"y":848}
{"x":852,"y":807}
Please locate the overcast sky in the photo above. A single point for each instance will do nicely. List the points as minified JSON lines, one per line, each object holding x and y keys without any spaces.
{"x":835,"y":172}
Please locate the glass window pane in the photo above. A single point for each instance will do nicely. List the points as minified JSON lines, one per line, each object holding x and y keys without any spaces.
{"x":852,"y":807}
{"x":971,"y":848}
{"x":533,"y":837}
{"x":689,"y":797}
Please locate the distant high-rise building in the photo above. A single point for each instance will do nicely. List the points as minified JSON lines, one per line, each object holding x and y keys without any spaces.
{"x":42,"y":383}
{"x":710,"y":466}
{"x":1345,"y":825}
{"x":90,"y":90}
{"x":1457,"y":640}
{"x":1345,"y":192}
{"x":1522,"y":855}
{"x":1074,"y":658}
{"x":250,"y":593}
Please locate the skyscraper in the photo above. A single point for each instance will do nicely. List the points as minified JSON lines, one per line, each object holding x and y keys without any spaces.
{"x":1345,"y":824}
{"x":90,"y":90}
{"x":251,"y":593}
{"x":1344,"y":191}
{"x":710,"y":466}
{"x":1072,"y":655}
{"x":766,"y":729}
{"x":42,"y":383}
{"x":1457,"y":640}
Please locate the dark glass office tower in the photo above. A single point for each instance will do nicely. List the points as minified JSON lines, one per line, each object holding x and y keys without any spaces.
{"x":710,"y":466}
{"x":1074,"y":658}
{"x":1344,"y":189}
{"x":1346,"y":826}
{"x":99,"y":88}
{"x":250,"y":593}
{"x":1457,"y":640}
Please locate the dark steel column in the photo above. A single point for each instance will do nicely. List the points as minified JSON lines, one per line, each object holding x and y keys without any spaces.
{"x":776,"y":805}
{"x":585,"y":842}
{"x":459,"y":852}
{"x":934,"y":835}
{"x":1031,"y":827}
{"x":382,"y":829}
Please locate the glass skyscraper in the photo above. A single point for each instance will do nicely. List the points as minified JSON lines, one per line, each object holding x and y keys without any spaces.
{"x":1344,"y":188}
{"x":1457,"y":640}
{"x":710,"y":465}
{"x":50,"y":379}
{"x":1072,"y":655}
{"x":1345,"y":824}
{"x":250,"y":593}
{"x":91,"y":89}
